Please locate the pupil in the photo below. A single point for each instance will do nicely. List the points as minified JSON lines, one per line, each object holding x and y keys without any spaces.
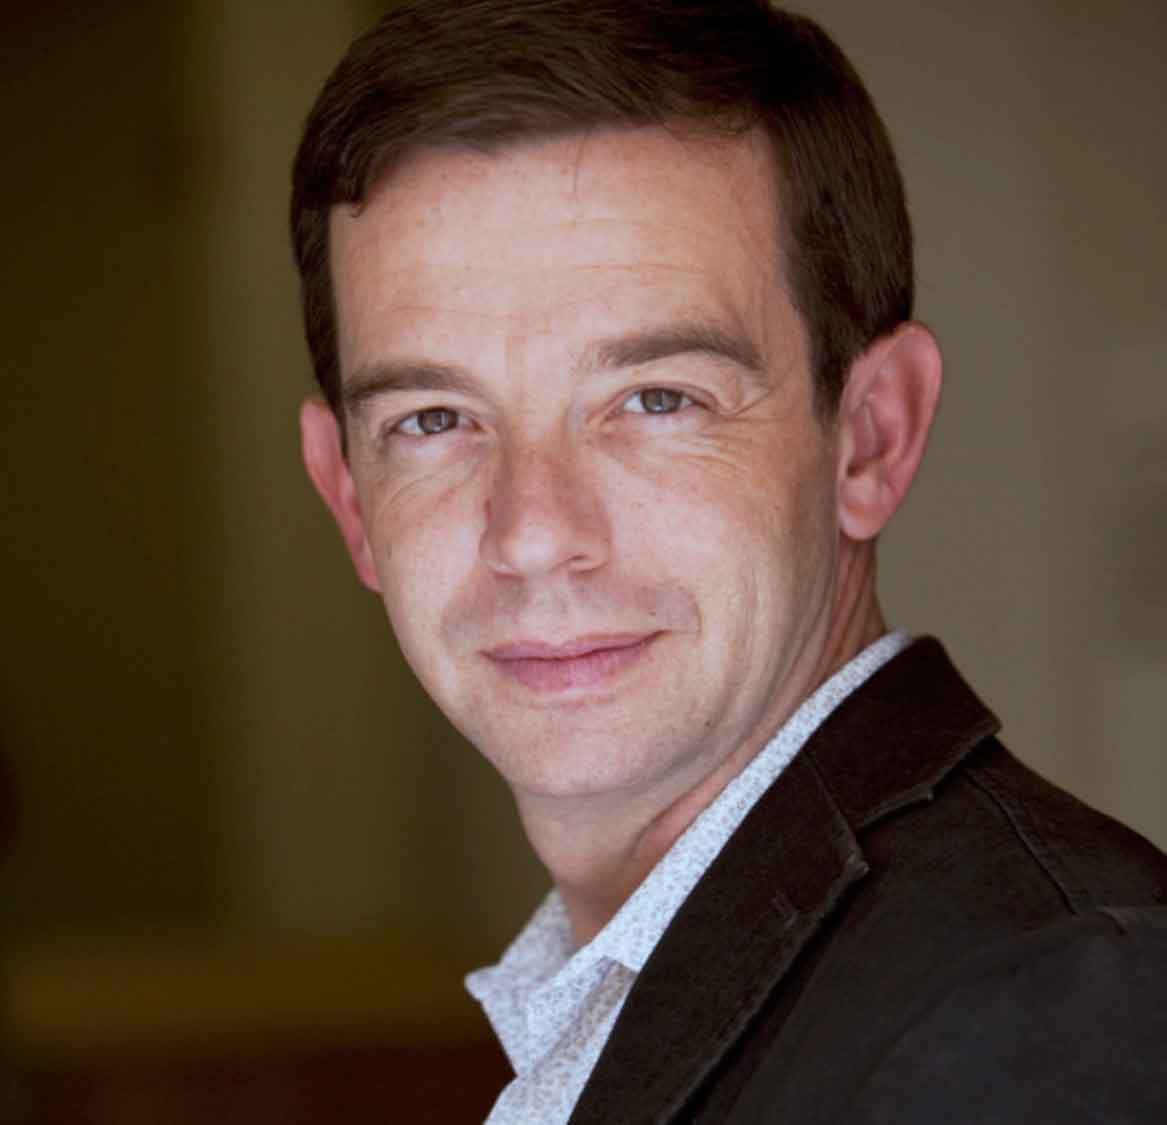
{"x":660,"y":401}
{"x":435,"y":421}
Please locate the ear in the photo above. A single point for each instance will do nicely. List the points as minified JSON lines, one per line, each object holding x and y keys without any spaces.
{"x":885,"y":415}
{"x":324,"y":458}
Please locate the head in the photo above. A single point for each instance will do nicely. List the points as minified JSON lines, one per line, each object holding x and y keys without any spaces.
{"x":608,"y":303}
{"x":487,"y":74}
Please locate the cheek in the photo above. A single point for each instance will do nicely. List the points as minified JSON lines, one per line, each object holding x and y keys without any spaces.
{"x":701,"y":533}
{"x":711,"y":507}
{"x":805,"y":538}
{"x":425,"y":543}
{"x":760,"y":544}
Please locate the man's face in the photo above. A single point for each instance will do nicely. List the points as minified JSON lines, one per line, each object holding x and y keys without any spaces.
{"x":597,"y":499}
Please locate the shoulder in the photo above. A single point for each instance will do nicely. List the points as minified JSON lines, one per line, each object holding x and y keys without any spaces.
{"x":1021,"y":841}
{"x":1005,"y":935}
{"x":999,"y":867}
{"x":1067,"y":1023}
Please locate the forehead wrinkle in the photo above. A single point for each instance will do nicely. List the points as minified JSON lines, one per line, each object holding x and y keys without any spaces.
{"x":414,"y":297}
{"x":428,"y":266}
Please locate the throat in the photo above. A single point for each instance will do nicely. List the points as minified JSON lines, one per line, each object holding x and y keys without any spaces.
{"x":597,"y":858}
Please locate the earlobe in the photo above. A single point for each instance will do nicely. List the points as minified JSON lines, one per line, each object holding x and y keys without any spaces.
{"x":320,"y":443}
{"x":885,"y":416}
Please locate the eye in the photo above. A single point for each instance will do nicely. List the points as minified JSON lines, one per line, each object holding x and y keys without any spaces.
{"x":426,"y":423}
{"x":657,"y":400}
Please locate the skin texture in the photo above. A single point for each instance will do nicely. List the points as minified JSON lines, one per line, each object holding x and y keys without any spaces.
{"x":617,"y":571}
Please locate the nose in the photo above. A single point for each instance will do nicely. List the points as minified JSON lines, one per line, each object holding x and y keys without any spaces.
{"x":543,"y":515}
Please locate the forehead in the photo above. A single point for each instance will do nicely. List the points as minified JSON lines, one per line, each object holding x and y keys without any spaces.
{"x":546,"y":233}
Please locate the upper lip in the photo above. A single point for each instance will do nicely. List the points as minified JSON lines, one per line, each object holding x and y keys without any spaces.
{"x":565,"y":650}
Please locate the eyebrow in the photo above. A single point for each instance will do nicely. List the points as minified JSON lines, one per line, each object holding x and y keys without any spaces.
{"x":635,"y":349}
{"x":397,"y":376}
{"x":683,"y":338}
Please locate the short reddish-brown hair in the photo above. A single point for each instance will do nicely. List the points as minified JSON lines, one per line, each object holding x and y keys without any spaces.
{"x":483,"y":74}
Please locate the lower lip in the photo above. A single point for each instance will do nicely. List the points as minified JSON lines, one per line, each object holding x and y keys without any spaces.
{"x":585,"y":671}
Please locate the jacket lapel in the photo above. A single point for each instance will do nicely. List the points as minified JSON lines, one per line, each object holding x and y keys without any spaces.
{"x":781,"y":876}
{"x":728,"y":945}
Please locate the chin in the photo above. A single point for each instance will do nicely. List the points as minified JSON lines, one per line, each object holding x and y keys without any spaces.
{"x":568,"y":769}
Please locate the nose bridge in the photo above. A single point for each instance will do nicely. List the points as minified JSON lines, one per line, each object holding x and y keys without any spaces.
{"x":542,"y":512}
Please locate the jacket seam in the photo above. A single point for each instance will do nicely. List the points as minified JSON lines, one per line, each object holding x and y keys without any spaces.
{"x":1026,"y":830}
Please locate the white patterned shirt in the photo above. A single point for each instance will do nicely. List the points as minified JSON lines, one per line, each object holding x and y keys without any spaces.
{"x":553,"y":1006}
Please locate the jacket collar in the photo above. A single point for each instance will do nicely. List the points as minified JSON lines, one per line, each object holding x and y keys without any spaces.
{"x":781,"y":875}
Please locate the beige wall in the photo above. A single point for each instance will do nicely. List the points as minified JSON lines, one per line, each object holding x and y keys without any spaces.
{"x":1036,"y":539}
{"x":209,"y":721}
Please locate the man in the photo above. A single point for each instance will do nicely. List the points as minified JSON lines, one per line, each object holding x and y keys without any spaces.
{"x":610,"y":305}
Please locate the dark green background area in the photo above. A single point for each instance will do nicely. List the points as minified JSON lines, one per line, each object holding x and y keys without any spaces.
{"x":104,"y":699}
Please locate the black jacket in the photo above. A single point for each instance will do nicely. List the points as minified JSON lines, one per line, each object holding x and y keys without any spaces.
{"x":909,"y":926}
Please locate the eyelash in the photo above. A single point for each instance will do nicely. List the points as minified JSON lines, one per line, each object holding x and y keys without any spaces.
{"x":685,"y":400}
{"x":414,"y":420}
{"x":411,"y":425}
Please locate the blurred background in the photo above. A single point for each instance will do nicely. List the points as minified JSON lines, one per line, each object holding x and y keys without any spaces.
{"x":248,"y":862}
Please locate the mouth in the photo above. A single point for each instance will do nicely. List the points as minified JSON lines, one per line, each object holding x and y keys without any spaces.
{"x":584,"y":662}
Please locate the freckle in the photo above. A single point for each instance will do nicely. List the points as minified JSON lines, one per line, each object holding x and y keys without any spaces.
{"x":487,"y":511}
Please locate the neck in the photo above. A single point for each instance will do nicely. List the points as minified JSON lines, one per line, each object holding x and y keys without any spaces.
{"x":599,"y":850}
